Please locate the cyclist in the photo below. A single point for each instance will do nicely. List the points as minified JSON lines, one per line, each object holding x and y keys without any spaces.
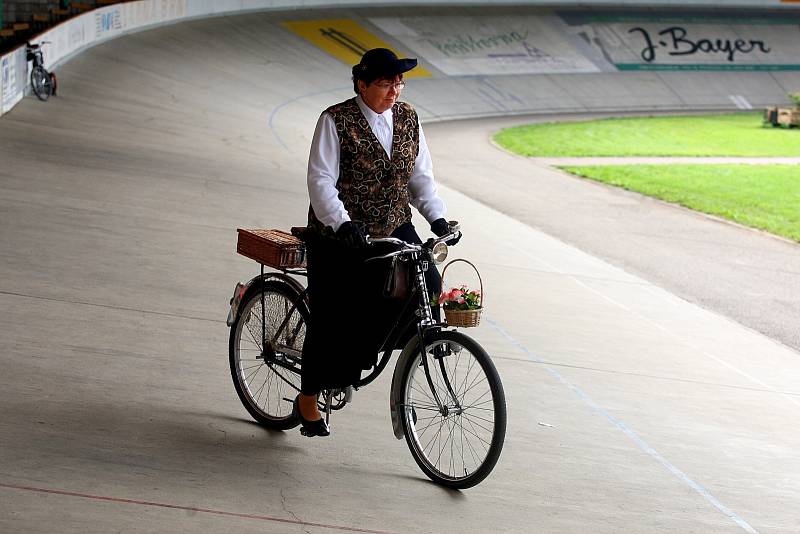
{"x":369,"y":162}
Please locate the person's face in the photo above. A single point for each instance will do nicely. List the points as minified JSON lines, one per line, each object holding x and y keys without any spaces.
{"x":382,"y":93}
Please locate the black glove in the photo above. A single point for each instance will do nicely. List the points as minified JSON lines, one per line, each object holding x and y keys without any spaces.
{"x":441,"y":227}
{"x":351,"y":235}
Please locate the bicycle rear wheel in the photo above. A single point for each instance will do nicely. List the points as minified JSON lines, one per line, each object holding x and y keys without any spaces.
{"x":41,"y":83}
{"x":456,"y":446}
{"x":266,"y":370}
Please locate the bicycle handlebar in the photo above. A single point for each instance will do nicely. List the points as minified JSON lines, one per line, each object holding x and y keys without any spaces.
{"x":408,"y":248}
{"x":392,"y":240}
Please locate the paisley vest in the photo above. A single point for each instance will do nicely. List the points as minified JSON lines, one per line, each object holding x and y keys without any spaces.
{"x":372,"y":185}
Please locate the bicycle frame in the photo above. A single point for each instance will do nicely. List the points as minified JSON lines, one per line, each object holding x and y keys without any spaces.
{"x":420,"y":257}
{"x":36,"y":52}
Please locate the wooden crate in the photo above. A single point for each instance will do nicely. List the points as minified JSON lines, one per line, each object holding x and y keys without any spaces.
{"x":275,"y":248}
{"x":784,"y":117}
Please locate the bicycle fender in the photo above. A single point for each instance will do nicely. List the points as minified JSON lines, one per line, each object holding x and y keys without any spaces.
{"x":280,"y":277}
{"x":255,"y":284}
{"x":239,"y":293}
{"x":396,"y":395}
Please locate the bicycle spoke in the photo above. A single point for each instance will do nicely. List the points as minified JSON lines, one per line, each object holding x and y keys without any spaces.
{"x":426,"y":420}
{"x":442,"y":446}
{"x":474,"y":433}
{"x":430,"y":400}
{"x":469,"y":418}
{"x":472,"y":450}
{"x":425,"y":394}
{"x":452,"y":441}
{"x":268,"y":384}
{"x":487,"y":392}
{"x":463,"y":462}
{"x":258,"y":392}
{"x":419,"y":406}
{"x":249,"y":377}
{"x":433,"y":422}
{"x":433,"y":439}
{"x":490,"y":421}
{"x":480,"y":376}
{"x":475,"y":406}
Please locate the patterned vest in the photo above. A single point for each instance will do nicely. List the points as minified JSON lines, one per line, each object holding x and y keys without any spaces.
{"x":373,"y":186}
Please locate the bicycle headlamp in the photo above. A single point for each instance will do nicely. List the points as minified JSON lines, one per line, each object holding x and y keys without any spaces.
{"x":439,"y":253}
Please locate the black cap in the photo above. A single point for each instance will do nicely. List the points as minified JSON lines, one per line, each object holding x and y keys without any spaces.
{"x":379,"y":63}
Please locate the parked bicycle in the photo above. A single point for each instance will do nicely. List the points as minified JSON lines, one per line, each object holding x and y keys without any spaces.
{"x":446,"y":398}
{"x":43,"y":82}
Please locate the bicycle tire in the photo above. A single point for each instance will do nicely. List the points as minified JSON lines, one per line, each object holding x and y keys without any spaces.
{"x":416,"y":398}
{"x":250,"y":370}
{"x":41,"y":83}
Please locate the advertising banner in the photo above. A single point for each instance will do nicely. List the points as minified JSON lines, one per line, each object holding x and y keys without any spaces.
{"x":5,"y":79}
{"x":12,"y":73}
{"x":693,"y":43}
{"x":498,"y":45}
{"x":107,"y":22}
{"x":344,"y":39}
{"x":138,"y":14}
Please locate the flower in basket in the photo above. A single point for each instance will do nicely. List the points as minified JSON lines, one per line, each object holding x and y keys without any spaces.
{"x":460,"y":298}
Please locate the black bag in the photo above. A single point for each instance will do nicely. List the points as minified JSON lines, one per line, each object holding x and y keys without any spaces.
{"x":398,"y":281}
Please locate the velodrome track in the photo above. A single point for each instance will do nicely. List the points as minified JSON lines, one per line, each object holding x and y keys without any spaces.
{"x":630,"y":409}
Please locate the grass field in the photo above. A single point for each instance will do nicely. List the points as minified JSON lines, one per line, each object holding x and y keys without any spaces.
{"x":739,"y":134}
{"x":760,"y":196}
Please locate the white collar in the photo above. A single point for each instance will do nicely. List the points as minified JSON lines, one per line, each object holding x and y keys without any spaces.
{"x":371,"y":116}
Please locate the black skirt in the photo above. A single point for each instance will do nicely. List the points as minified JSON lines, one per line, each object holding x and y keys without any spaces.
{"x":350,"y":316}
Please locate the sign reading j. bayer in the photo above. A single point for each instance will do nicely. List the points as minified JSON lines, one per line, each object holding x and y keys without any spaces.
{"x":675,"y":43}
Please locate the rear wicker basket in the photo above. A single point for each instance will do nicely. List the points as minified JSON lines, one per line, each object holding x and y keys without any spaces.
{"x":275,"y":248}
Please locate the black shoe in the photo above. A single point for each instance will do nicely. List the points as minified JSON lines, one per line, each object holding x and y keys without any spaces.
{"x":310,"y":428}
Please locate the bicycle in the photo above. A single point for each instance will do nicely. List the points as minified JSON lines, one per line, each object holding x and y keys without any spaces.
{"x":43,"y":82}
{"x":446,"y":400}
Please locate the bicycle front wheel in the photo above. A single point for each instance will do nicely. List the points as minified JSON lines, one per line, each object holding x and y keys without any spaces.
{"x":458,"y":444}
{"x":266,"y":346}
{"x":41,"y":83}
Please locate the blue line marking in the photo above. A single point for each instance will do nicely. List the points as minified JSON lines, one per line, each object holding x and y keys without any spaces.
{"x":292,"y":100}
{"x":628,"y":432}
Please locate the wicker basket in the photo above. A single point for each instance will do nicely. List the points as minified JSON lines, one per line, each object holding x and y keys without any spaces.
{"x":464,"y":318}
{"x":275,"y":248}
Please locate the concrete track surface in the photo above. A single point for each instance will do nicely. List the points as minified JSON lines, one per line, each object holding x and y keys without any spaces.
{"x":630,"y":409}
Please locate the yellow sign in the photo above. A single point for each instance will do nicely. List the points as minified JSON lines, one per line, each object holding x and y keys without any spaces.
{"x":345,"y":40}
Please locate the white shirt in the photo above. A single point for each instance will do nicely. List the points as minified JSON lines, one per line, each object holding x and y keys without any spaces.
{"x":323,"y":169}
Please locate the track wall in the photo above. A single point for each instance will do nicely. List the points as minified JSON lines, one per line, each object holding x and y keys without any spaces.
{"x":517,"y":61}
